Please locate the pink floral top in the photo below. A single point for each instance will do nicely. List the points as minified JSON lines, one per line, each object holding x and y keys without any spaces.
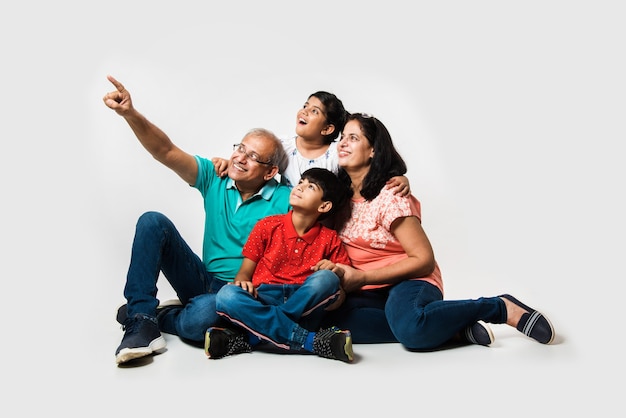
{"x":368,"y":239}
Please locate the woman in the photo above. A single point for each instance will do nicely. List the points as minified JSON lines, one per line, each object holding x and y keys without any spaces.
{"x":395,"y":289}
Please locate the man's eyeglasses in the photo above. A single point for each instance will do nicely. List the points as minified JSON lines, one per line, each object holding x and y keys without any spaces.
{"x":252,"y":156}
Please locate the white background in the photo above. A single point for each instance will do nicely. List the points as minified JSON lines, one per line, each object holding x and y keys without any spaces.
{"x":510,"y":116}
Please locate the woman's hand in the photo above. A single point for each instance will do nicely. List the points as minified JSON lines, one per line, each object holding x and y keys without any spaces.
{"x":352,"y":279}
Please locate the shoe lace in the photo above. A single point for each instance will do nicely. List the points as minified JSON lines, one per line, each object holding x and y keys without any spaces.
{"x":130,"y":324}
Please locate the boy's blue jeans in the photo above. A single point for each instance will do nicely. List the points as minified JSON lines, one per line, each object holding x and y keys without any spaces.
{"x":282,"y":314}
{"x":413,"y":313}
{"x":159,"y":248}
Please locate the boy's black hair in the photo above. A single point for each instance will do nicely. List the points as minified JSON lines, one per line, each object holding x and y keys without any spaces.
{"x":334,"y":111}
{"x":333,"y":190}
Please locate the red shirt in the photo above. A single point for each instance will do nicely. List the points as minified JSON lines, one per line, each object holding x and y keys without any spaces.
{"x":283,"y":257}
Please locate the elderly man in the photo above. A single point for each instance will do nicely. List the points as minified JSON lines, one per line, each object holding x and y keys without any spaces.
{"x":232,"y":206}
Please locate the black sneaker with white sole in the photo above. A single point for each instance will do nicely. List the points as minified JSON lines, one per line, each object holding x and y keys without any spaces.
{"x":141,"y":338}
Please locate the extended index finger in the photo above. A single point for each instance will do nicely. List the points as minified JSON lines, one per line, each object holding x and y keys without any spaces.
{"x":119,"y":86}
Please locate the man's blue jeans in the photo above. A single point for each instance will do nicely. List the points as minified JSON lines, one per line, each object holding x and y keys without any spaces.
{"x":282,"y":314}
{"x":158,"y":247}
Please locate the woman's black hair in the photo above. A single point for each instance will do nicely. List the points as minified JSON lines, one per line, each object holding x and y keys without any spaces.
{"x":334,"y":111}
{"x":386,"y":162}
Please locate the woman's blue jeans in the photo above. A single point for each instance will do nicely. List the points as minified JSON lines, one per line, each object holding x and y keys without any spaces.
{"x":413,"y":313}
{"x":158,"y":247}
{"x":282,"y":314}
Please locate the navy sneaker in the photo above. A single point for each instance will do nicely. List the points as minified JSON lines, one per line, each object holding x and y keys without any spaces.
{"x":141,"y":338}
{"x":333,"y":343}
{"x":122,"y":311}
{"x":478,"y":333}
{"x":222,"y":342}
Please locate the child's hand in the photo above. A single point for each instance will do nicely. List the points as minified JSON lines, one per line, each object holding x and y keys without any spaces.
{"x":246,"y":285}
{"x":221,"y":166}
{"x":401,"y":184}
{"x":328,"y":265}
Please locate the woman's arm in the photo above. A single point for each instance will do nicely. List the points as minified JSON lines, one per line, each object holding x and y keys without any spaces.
{"x":420,"y":262}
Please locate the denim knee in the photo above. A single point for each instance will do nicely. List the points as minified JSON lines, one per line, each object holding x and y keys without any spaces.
{"x":322,"y":280}
{"x":405,"y":313}
{"x":196,"y":316}
{"x":411,"y":336}
{"x":151,"y":219}
{"x":226,"y":297}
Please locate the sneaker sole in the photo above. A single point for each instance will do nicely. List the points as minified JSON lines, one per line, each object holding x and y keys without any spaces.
{"x":347,"y":348}
{"x":170,"y":302}
{"x":207,"y":342}
{"x":127,"y":354}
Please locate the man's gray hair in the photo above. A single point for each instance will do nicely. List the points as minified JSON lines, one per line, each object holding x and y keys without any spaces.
{"x":279,"y":157}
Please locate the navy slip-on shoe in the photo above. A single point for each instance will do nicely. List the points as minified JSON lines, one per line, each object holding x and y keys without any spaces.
{"x":533,"y":324}
{"x":479,"y":333}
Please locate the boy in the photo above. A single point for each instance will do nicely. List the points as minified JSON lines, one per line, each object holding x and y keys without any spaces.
{"x":288,"y":278}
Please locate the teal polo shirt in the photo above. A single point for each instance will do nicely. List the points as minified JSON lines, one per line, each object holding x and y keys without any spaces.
{"x":228,"y":220}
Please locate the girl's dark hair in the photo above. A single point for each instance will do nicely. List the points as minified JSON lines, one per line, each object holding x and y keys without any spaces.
{"x":334,"y":111}
{"x":386,"y":162}
{"x":333,"y":190}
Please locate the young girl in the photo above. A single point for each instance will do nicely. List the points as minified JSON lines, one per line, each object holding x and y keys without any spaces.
{"x":318,"y":124}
